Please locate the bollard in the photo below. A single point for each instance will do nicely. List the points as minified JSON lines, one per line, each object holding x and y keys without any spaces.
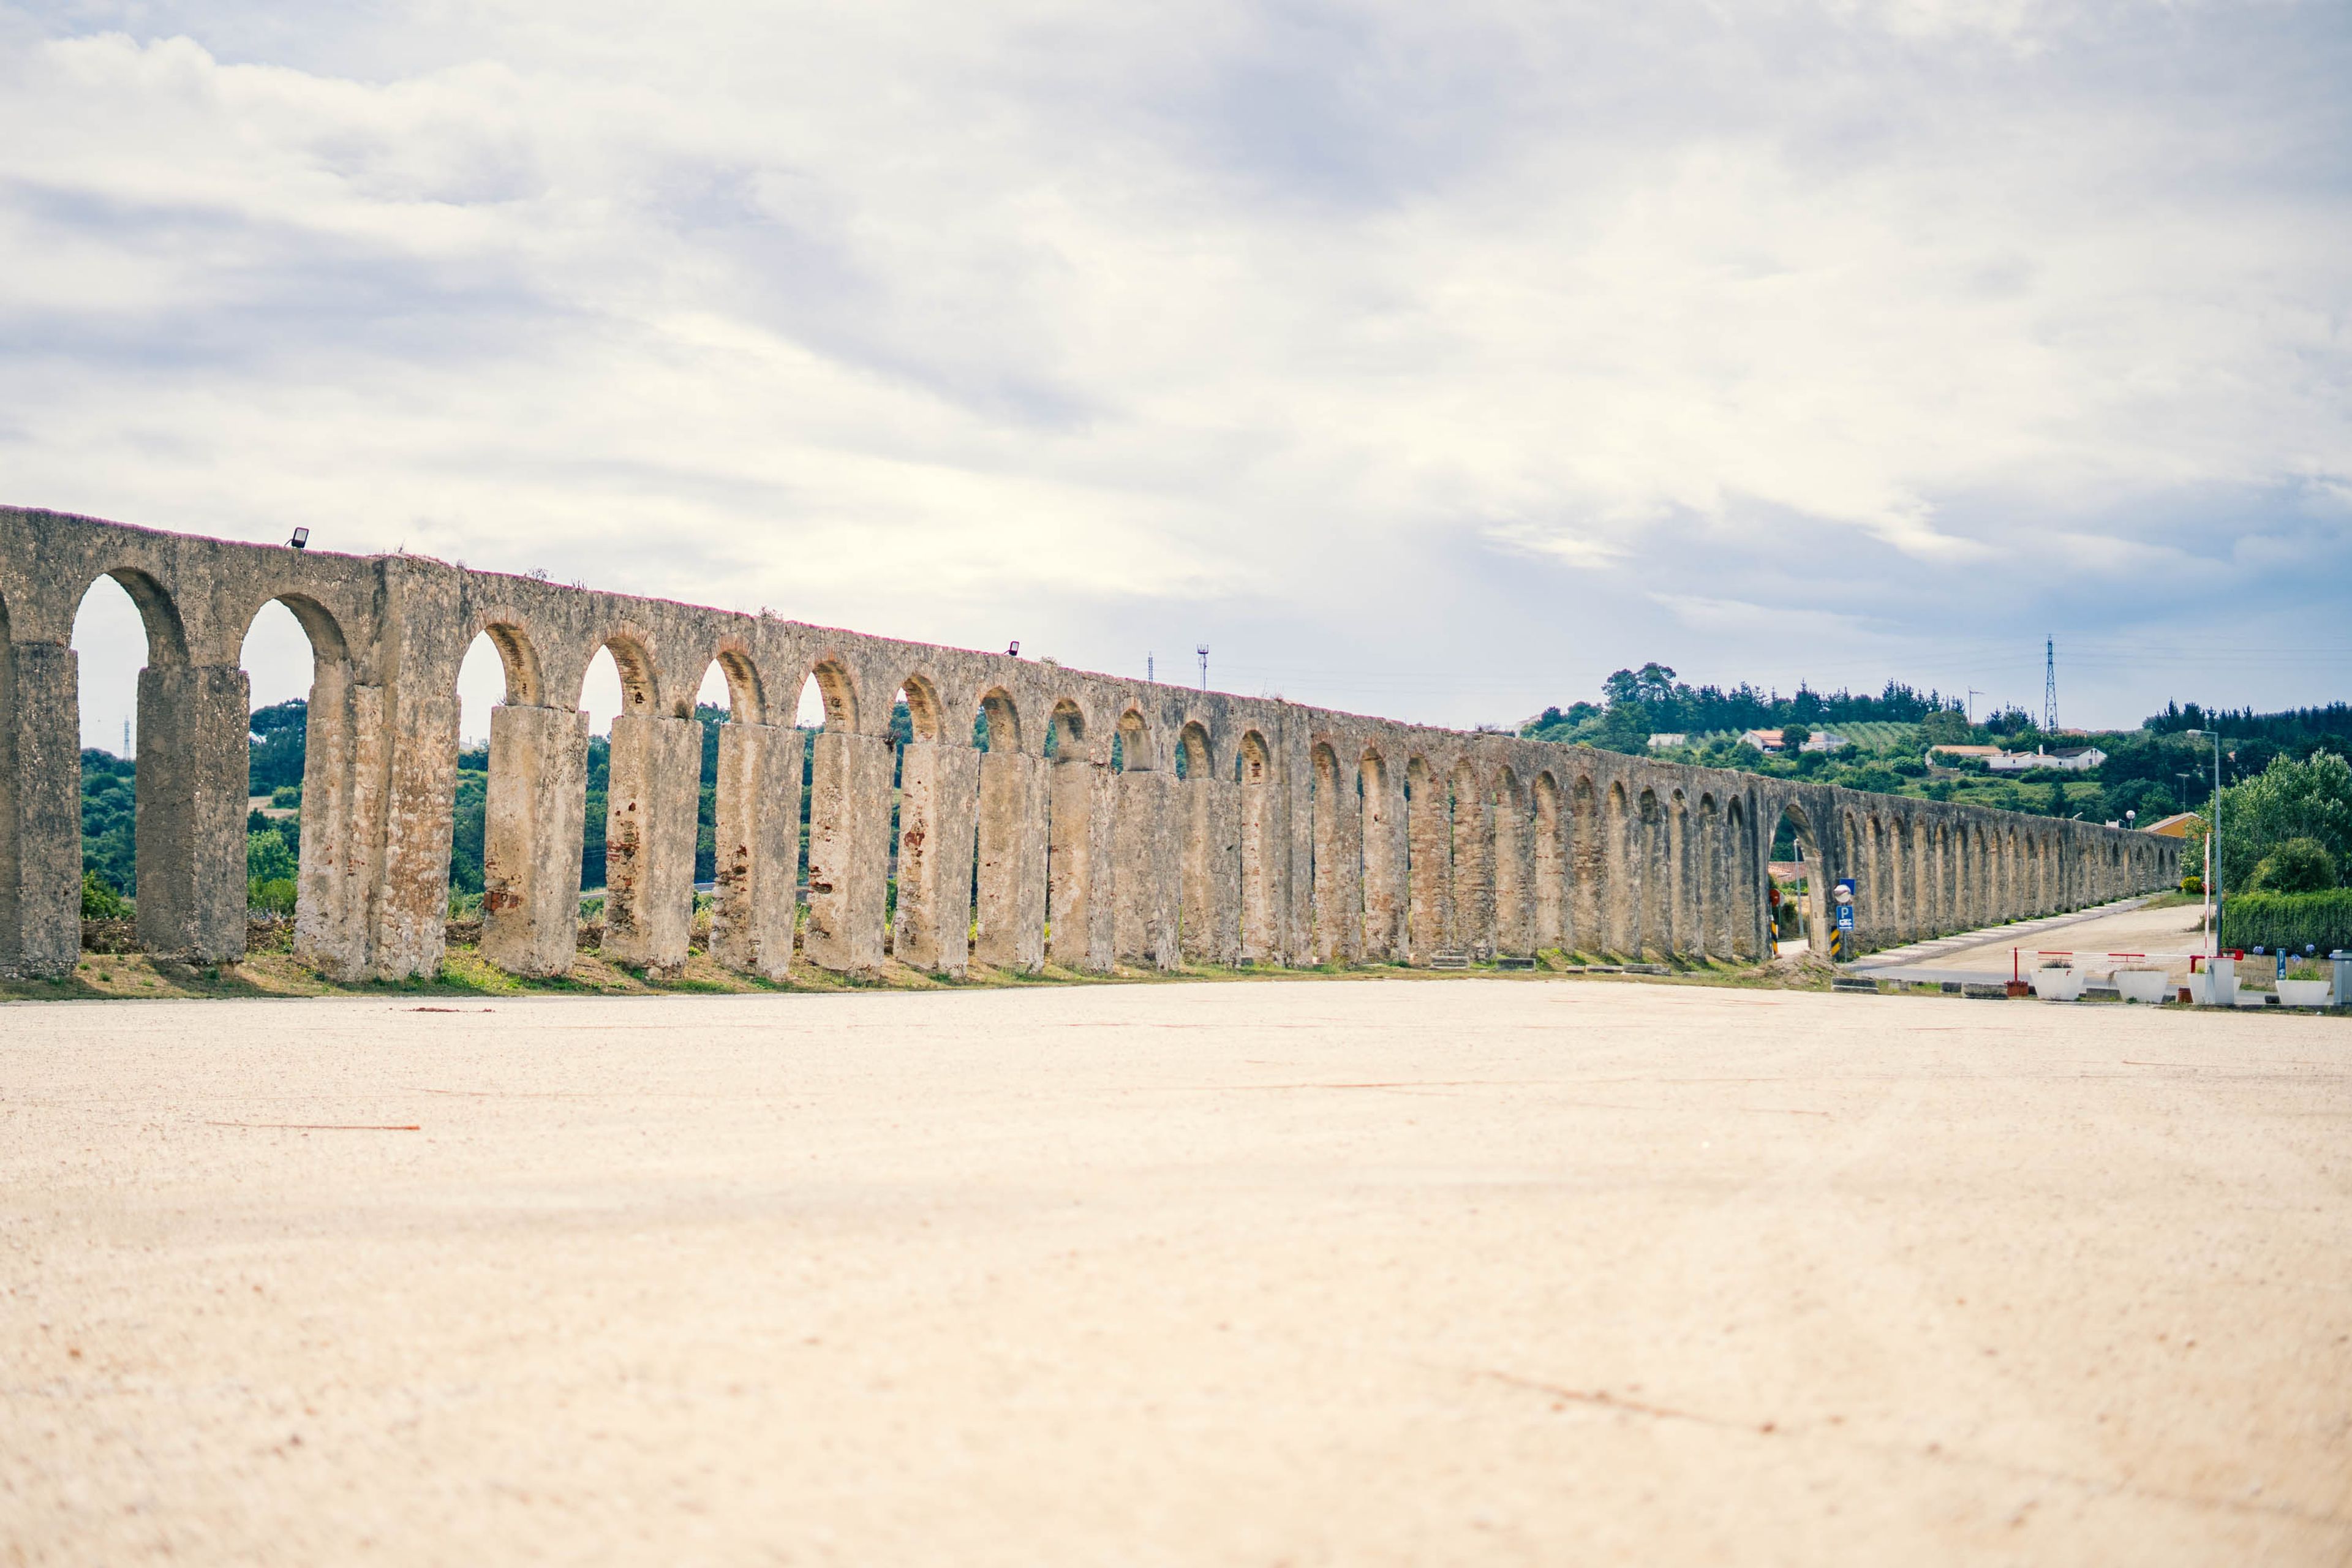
{"x":2343,"y":963}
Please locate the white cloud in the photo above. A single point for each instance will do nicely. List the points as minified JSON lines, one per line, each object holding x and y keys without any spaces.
{"x":1299,"y":324}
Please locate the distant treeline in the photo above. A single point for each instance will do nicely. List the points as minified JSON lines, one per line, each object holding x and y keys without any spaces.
{"x":1675,"y":706}
{"x":2291,"y":730}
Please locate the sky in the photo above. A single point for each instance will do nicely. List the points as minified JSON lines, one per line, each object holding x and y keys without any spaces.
{"x":1424,"y":361}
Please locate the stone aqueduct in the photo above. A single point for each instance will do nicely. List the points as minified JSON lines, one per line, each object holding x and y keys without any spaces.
{"x":1225,"y":829}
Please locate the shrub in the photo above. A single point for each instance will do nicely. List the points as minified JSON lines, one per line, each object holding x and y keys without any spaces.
{"x":2289,"y":921}
{"x":2298,"y":865}
{"x":273,"y":896}
{"x":285,"y":794}
{"x":100,"y":901}
{"x":2193,"y":883}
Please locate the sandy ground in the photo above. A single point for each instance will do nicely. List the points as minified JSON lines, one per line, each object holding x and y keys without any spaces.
{"x":1482,"y":1270}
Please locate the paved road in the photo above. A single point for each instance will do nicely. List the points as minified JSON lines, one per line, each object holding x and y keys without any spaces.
{"x":1406,"y":1272}
{"x":2172,"y":931}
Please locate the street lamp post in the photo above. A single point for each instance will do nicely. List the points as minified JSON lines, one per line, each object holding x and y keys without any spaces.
{"x":2213,"y":841}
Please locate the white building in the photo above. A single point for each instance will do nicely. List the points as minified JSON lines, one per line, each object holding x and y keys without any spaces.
{"x":2065,"y":759}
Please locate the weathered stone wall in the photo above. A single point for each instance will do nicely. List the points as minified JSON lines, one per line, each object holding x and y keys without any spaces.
{"x":1225,"y":829}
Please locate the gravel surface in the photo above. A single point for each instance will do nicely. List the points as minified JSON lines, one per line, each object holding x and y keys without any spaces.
{"x":1431,"y":1271}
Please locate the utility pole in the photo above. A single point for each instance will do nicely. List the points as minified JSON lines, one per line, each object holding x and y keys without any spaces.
{"x":2049,"y":686}
{"x":1973,"y":695}
{"x":1150,"y":679}
{"x":1204,"y":651}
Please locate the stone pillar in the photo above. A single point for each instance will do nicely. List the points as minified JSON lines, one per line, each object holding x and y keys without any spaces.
{"x":331,"y":906}
{"x":1011,"y":873}
{"x":652,"y":798}
{"x":1078,"y":865}
{"x":40,"y":810}
{"x":1146,"y":885}
{"x":848,"y":851}
{"x":938,"y":802}
{"x":193,"y":776}
{"x":757,"y":813}
{"x":535,"y":821}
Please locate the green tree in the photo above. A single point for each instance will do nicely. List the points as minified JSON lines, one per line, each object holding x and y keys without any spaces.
{"x":2298,"y":865}
{"x":1624,"y":728}
{"x":2288,"y":799}
{"x":1795,"y":735}
{"x":1944,"y":727}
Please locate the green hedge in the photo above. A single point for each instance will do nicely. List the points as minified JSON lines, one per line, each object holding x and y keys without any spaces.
{"x":2276,"y":920}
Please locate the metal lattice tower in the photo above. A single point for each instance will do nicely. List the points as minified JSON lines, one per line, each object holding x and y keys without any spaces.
{"x":2049,"y":686}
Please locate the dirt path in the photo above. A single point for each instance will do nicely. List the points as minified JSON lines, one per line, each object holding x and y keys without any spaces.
{"x":1439,"y":1272}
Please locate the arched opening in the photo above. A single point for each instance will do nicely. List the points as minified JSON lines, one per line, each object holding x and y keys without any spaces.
{"x":1380,"y":822}
{"x":1677,"y":903}
{"x":1710,"y":874}
{"x":1586,"y":923}
{"x":1620,"y":877}
{"x":1796,"y":874}
{"x":747,"y":819}
{"x":1904,"y":915}
{"x":931,"y":834}
{"x":1008,"y":878}
{"x":1205,"y":917}
{"x":718,"y":699}
{"x":1072,"y":840}
{"x":619,"y":683}
{"x":1336,"y":867}
{"x":1260,"y":940}
{"x":500,"y":669}
{"x":1746,"y":906}
{"x":1429,"y":869}
{"x":111,"y":648}
{"x":181,"y":778}
{"x":1549,"y":867}
{"x":1514,"y":927}
{"x":1872,"y":883}
{"x":301,"y":752}
{"x":1471,"y":844}
{"x":1144,"y":879}
{"x":1646,"y":853}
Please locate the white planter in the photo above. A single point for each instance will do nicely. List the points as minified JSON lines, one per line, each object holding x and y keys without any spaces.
{"x":2303,"y":993}
{"x":2058,"y":985}
{"x":2143,"y":985}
